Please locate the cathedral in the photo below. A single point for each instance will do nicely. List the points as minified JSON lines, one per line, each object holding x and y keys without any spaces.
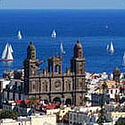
{"x":54,"y":85}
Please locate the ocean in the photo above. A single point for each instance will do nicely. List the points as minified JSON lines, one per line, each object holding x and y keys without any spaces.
{"x":88,"y":26}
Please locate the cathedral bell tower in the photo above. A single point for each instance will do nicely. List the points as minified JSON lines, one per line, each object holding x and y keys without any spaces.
{"x":78,"y":62}
{"x":116,"y":74}
{"x":30,"y":65}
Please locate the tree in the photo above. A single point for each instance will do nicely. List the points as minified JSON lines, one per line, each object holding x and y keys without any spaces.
{"x":104,"y":87}
{"x":9,"y":114}
{"x":23,"y":104}
{"x":14,"y":115}
{"x":120,"y":121}
{"x":5,"y":114}
{"x":33,"y":102}
{"x":102,"y":116}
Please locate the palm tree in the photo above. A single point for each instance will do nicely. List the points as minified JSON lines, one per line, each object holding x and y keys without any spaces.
{"x":33,"y":103}
{"x":104,"y":87}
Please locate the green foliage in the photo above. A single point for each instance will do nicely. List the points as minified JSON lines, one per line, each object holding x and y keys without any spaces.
{"x":102,"y":117}
{"x":121,"y":122}
{"x":33,"y":104}
{"x":23,"y":104}
{"x":33,"y":98}
{"x":104,"y":86}
{"x":86,"y":99}
{"x":9,"y":114}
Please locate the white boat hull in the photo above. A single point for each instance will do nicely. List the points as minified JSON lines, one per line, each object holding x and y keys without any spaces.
{"x":6,"y":60}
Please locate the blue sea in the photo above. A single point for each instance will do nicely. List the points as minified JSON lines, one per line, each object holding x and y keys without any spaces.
{"x":88,"y":26}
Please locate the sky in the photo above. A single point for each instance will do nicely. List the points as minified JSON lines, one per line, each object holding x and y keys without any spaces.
{"x":62,"y":4}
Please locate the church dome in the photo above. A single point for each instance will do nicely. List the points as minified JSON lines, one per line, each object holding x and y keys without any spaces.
{"x":31,"y":47}
{"x":78,"y":45}
{"x":31,"y":51}
{"x":78,"y":50}
{"x":116,"y":69}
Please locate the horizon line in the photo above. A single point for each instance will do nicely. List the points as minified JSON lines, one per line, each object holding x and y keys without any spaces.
{"x":59,"y":9}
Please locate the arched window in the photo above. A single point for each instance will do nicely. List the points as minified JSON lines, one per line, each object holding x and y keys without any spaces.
{"x":46,"y":87}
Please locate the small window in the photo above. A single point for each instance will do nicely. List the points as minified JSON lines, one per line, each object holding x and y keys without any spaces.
{"x":116,"y":91}
{"x":70,"y":122}
{"x":111,"y":91}
{"x":33,"y":86}
{"x":80,"y":84}
{"x":69,"y":86}
{"x":46,"y":87}
{"x":70,"y":116}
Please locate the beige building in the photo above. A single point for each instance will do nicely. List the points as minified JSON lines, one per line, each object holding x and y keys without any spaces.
{"x":54,"y":85}
{"x":116,"y":115}
{"x":32,"y":120}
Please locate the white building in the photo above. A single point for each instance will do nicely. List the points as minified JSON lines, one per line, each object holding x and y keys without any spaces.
{"x":13,"y":90}
{"x":113,"y":92}
{"x":3,"y":84}
{"x":81,"y":118}
{"x":32,"y":120}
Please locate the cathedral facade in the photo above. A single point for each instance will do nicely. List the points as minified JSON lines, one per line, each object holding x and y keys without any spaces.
{"x":54,"y":85}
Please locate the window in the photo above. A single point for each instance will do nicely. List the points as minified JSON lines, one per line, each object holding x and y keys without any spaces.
{"x":70,"y":122}
{"x":74,"y":117}
{"x":33,"y":86}
{"x":70,"y":116}
{"x":116,"y":91}
{"x":111,"y":91}
{"x":80,"y":84}
{"x":69,"y":86}
{"x":46,"y":87}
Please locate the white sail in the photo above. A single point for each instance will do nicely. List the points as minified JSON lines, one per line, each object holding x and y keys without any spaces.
{"x":124,"y":60}
{"x":9,"y":54}
{"x":19,"y":35}
{"x":11,"y":50}
{"x":61,"y":49}
{"x":107,"y":48}
{"x":111,"y":48}
{"x":53,"y":34}
{"x":4,"y":54}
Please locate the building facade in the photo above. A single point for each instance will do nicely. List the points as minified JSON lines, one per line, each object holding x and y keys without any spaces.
{"x":31,"y":120}
{"x":54,"y":85}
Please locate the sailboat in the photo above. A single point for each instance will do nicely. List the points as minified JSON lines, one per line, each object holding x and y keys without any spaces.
{"x":123,"y":64}
{"x":53,"y":35}
{"x":11,"y":50}
{"x":107,"y":48}
{"x":61,"y":49}
{"x":19,"y":35}
{"x":7,"y":53}
{"x":111,"y":50}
